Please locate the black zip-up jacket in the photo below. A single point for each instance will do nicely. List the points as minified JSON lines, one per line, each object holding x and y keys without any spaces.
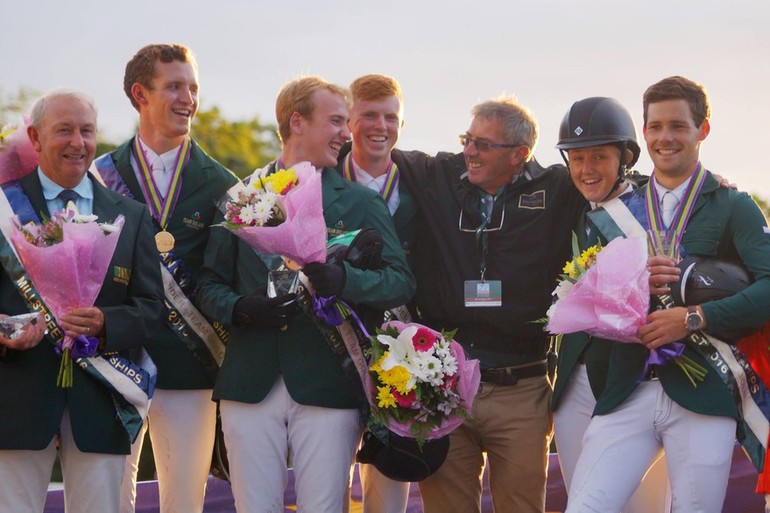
{"x":527,"y":254}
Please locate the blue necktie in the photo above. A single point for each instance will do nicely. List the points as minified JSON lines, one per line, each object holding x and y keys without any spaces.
{"x":67,"y":195}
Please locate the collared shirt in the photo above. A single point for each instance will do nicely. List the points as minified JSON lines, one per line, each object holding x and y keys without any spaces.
{"x":375,"y":184}
{"x":52,"y":189}
{"x":678,"y":193}
{"x":162,"y":166}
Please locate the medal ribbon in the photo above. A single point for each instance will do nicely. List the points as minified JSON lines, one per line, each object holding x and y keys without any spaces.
{"x":392,"y":176}
{"x":685,"y":209}
{"x":161,"y":208}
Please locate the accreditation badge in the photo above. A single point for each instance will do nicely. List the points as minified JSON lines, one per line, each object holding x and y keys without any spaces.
{"x":483,"y":293}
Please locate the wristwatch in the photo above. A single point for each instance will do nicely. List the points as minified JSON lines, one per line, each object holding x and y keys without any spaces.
{"x":693,"y":321}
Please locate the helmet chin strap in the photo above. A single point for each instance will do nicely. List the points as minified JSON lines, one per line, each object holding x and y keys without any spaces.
{"x":621,"y":171}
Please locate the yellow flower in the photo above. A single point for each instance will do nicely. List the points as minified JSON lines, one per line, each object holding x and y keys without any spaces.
{"x":397,"y":377}
{"x":569,"y":269}
{"x":279,"y":182}
{"x":588,"y":257}
{"x":385,"y":399}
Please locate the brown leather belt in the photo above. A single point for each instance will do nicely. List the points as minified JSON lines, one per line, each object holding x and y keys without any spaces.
{"x":512,"y":375}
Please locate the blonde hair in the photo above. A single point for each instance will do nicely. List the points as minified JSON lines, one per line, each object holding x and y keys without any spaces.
{"x":297,"y":96}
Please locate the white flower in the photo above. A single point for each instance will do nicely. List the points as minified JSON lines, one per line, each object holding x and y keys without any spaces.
{"x":562,"y":289}
{"x":246,"y":214}
{"x":449,"y":364}
{"x":429,"y":369}
{"x":551,"y":311}
{"x":263,"y":211}
{"x":401,"y":351}
{"x":108,"y":228}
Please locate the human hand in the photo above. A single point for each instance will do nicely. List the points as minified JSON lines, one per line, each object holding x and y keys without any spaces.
{"x":327,"y":279}
{"x":664,"y":326}
{"x":86,"y":321}
{"x":31,"y":335}
{"x":265,"y":312}
{"x":663,"y":271}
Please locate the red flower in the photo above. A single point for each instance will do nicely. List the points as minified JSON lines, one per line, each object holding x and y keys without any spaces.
{"x":423,"y":340}
{"x":450,"y":382}
{"x":405,"y":401}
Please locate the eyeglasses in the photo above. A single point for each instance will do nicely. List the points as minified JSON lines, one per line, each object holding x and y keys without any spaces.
{"x":481,"y":144}
{"x":497,"y":228}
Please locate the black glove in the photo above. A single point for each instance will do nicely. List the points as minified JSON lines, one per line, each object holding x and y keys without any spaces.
{"x":328,"y":279}
{"x":264,"y":312}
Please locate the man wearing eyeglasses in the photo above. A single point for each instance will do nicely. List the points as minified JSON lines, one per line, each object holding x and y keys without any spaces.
{"x":496,"y":235}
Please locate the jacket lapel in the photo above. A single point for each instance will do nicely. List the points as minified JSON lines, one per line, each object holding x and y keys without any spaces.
{"x":34,"y":191}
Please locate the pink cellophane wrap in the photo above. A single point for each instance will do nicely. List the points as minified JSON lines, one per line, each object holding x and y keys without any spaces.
{"x":612,"y":299}
{"x":469,"y":376}
{"x":69,"y":274}
{"x":17,"y":156}
{"x":302,"y":236}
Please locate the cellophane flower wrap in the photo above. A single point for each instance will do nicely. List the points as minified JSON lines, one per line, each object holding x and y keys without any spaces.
{"x":421,"y":385}
{"x":67,"y":258}
{"x":280,"y":213}
{"x":17,"y":155}
{"x":610,"y":299}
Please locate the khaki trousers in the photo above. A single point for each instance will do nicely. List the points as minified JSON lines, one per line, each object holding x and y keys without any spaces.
{"x":513,"y":426}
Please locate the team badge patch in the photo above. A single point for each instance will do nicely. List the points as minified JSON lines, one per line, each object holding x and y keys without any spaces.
{"x":533,"y":201}
{"x":121,"y":275}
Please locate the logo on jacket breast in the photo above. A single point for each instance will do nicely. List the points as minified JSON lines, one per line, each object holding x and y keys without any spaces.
{"x":121,"y":275}
{"x":194,"y":221}
{"x":533,"y":201}
{"x":339,"y":229}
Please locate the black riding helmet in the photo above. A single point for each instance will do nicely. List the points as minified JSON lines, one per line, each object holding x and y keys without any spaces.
{"x":598,"y":121}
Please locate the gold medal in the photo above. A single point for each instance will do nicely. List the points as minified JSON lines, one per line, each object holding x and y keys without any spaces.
{"x":164,"y":241}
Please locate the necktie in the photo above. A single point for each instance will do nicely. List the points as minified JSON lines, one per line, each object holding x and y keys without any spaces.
{"x":159,"y":175}
{"x":669,"y":204}
{"x":67,"y":195}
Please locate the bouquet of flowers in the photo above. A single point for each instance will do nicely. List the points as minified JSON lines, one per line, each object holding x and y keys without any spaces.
{"x":604,"y":292}
{"x":609,"y":297}
{"x":280,"y":213}
{"x":421,"y":384}
{"x":17,"y":156}
{"x":67,"y":257}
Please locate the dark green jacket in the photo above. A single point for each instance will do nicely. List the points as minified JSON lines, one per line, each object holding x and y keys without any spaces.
{"x":31,"y":405}
{"x":728,"y":225}
{"x":256,"y":356}
{"x":204,"y":182}
{"x":405,"y":216}
{"x":594,"y":352}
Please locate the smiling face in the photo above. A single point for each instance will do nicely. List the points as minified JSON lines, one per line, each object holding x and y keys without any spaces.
{"x":594,"y":170}
{"x":168,"y":105}
{"x":65,"y":139}
{"x":673,"y":140}
{"x":495,"y":167}
{"x":321,"y":136}
{"x":375,"y":126}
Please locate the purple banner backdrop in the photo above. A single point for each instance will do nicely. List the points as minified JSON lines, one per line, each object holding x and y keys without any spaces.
{"x":740,"y":493}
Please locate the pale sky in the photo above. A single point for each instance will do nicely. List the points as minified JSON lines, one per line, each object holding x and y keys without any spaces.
{"x":448,"y":56}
